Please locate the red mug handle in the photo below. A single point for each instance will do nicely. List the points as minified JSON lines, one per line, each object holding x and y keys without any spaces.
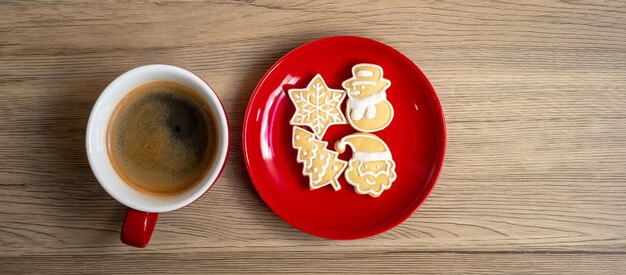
{"x":138,"y":227}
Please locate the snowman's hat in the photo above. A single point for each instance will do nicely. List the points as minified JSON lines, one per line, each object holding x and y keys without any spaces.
{"x":365,"y":147}
{"x":367,"y":75}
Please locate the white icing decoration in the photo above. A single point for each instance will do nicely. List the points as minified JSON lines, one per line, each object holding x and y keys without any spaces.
{"x":370,"y":112}
{"x":363,"y":83}
{"x":335,"y":168}
{"x":372,"y":156}
{"x":358,"y":105}
{"x":365,"y":73}
{"x":341,"y":146}
{"x":305,"y":153}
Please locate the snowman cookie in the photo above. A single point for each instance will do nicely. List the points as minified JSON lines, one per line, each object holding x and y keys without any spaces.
{"x":371,"y":170}
{"x":322,"y":166}
{"x":317,"y":106}
{"x":368,"y":109}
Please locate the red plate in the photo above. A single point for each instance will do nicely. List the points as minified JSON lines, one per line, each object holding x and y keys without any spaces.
{"x":416,"y":138}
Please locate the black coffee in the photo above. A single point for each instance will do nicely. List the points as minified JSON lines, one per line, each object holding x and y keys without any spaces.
{"x":161,"y":138}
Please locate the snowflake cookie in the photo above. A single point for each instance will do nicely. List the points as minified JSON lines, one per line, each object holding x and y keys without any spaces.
{"x":317,"y":106}
{"x":322,"y":166}
{"x":368,"y":109}
{"x":371,"y":170}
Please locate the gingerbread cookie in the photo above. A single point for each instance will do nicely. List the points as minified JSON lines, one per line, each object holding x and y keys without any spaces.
{"x":322,"y":166}
{"x":368,"y":109}
{"x":317,"y":106}
{"x":371,"y":170}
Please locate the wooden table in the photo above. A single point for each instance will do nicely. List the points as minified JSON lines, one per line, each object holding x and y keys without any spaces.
{"x":534,"y":96}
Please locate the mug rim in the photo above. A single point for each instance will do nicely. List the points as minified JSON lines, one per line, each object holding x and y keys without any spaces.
{"x":96,"y":139}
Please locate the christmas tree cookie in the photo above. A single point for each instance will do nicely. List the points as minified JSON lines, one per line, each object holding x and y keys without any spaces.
{"x":322,"y":166}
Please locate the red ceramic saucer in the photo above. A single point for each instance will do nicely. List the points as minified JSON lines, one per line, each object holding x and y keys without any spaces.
{"x":416,"y":138}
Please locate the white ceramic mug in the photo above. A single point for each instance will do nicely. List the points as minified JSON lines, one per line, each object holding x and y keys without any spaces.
{"x":143,"y":209}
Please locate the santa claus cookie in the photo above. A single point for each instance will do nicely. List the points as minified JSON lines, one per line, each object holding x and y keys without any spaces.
{"x":371,"y":170}
{"x":317,"y":106}
{"x":320,"y":164}
{"x":368,"y":109}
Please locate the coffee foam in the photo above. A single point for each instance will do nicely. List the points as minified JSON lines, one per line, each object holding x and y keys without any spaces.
{"x":161,"y":138}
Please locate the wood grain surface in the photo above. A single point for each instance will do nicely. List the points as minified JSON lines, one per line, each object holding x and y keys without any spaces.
{"x":534,"y":94}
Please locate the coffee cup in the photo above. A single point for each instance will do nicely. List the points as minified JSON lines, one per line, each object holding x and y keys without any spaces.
{"x":144,"y":208}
